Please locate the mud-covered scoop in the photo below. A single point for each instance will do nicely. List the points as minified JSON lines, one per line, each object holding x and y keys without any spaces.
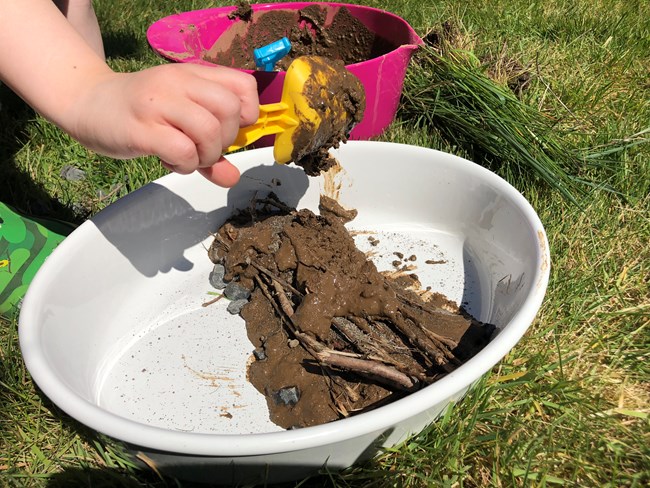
{"x":321,"y":102}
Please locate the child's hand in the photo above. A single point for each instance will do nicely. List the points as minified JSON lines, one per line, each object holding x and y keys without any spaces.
{"x":185,"y":114}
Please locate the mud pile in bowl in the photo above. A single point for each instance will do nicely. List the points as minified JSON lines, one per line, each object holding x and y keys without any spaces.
{"x":333,"y":336}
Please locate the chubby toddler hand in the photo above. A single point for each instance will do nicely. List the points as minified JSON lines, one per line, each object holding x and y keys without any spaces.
{"x":185,"y":114}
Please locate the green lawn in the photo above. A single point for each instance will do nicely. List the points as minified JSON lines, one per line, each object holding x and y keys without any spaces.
{"x":570,"y":404}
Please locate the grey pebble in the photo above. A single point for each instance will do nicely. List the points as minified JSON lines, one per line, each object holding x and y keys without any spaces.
{"x":259,"y":353}
{"x":235,"y":291}
{"x":235,"y":306}
{"x":72,"y":173}
{"x":287,"y":396}
{"x":216,"y":276}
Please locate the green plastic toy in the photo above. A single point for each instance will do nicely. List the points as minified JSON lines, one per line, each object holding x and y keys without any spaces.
{"x":25,"y":244}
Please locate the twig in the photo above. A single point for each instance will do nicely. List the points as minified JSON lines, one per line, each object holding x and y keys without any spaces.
{"x":112,"y":192}
{"x":416,"y":336}
{"x":444,"y":341}
{"x":379,"y":371}
{"x":285,"y":304}
{"x":214,"y":300}
{"x":361,"y":342}
{"x":276,"y":278}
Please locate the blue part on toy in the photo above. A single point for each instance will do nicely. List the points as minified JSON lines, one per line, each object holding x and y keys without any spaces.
{"x":267,"y":56}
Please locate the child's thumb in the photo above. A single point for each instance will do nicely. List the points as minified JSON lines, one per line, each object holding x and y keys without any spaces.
{"x":222,"y":173}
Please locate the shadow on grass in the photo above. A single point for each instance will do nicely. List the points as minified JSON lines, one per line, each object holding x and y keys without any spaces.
{"x":18,"y":189}
{"x":114,"y":477}
{"x":123,"y":44}
{"x":111,"y":477}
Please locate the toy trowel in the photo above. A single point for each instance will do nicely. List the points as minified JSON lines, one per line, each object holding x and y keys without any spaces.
{"x":321,"y":102}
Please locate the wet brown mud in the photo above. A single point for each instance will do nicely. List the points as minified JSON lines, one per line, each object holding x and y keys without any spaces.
{"x":333,"y":336}
{"x":316,"y":30}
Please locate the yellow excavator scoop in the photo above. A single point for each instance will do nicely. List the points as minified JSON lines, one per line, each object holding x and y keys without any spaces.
{"x":315,"y":111}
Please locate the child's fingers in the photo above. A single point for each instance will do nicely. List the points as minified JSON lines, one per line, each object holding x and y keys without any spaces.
{"x":242,"y":84}
{"x":178,"y":152}
{"x":225,"y":108}
{"x":206,"y":131}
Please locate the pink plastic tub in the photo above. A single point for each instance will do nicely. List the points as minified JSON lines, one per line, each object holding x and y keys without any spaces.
{"x":188,"y":36}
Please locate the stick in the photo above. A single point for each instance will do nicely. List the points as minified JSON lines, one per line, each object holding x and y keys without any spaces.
{"x":420,"y":341}
{"x":377,"y":370}
{"x":285,"y":304}
{"x":381,"y":372}
{"x":214,"y":300}
{"x":359,"y":340}
{"x":276,"y":278}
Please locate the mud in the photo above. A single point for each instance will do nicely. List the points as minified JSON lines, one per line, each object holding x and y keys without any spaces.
{"x":329,"y":34}
{"x":338,"y":101}
{"x":317,"y":30}
{"x":333,"y":336}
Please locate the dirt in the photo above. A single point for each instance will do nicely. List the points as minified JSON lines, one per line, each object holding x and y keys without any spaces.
{"x":333,"y":336}
{"x":339,"y":104}
{"x":332,"y":38}
{"x":315,"y":30}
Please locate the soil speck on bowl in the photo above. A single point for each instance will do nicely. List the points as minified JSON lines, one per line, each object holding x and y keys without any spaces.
{"x":333,"y":336}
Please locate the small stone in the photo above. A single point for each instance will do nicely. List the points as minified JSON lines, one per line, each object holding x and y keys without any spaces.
{"x":287,"y":396}
{"x":80,"y":210}
{"x":216,"y":276}
{"x":72,"y":173}
{"x":260,"y":354}
{"x":293,"y":343}
{"x":236,"y":306}
{"x":234,"y":291}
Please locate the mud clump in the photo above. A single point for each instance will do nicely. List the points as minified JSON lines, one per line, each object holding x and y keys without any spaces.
{"x":338,"y":101}
{"x":333,"y":336}
{"x":243,"y":12}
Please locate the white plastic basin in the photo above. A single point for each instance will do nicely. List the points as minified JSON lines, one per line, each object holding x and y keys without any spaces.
{"x":113,"y":332}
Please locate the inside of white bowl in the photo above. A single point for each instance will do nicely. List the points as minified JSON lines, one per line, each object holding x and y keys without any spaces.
{"x":115,"y":318}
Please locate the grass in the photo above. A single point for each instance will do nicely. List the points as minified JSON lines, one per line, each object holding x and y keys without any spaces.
{"x":570,"y":404}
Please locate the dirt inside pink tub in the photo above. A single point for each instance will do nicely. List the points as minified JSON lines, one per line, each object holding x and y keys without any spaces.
{"x":375,"y":45}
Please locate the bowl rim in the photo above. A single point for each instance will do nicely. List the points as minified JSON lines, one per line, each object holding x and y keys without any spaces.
{"x":374,"y":422}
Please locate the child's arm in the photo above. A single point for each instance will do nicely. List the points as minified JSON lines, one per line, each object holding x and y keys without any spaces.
{"x":81,"y":15}
{"x":185,"y":114}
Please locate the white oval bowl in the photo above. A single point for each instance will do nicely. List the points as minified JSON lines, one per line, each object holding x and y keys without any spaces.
{"x":135,"y":273}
